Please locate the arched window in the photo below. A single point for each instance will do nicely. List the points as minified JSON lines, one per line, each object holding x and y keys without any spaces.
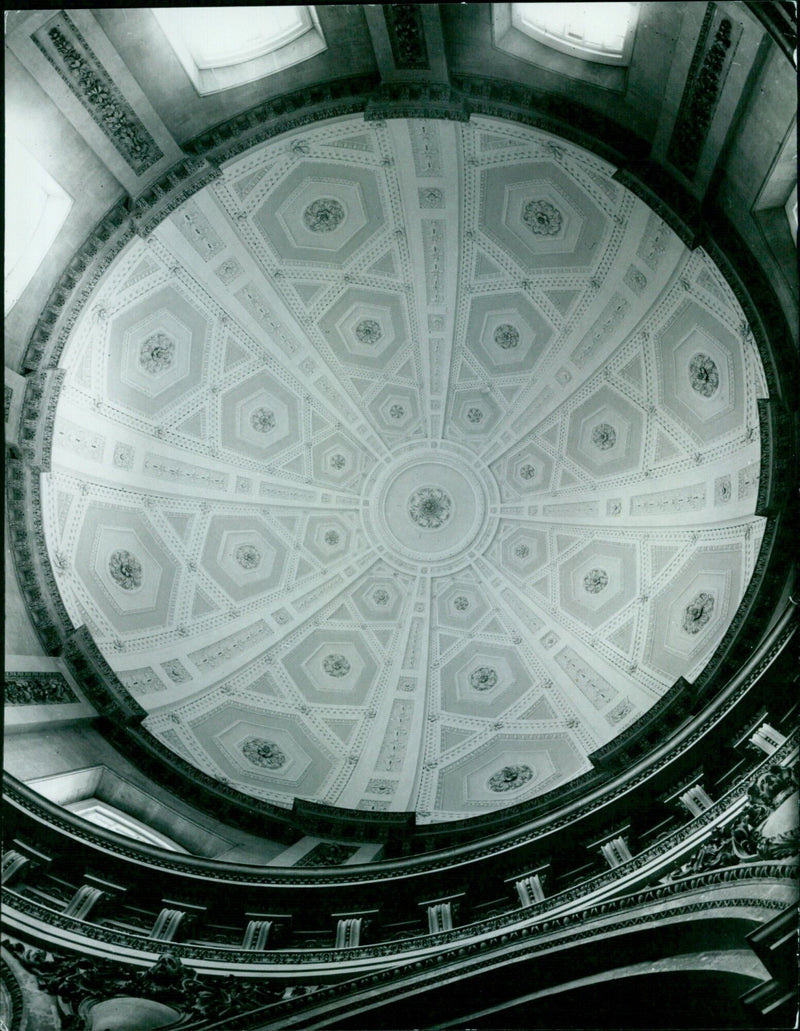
{"x":36,"y":207}
{"x":222,"y":47}
{"x":601,"y":32}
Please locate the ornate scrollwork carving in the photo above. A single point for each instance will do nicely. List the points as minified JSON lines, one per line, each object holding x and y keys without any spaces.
{"x":429,"y":507}
{"x":323,"y":215}
{"x":542,"y":218}
{"x":125,"y":570}
{"x":336,"y":665}
{"x":510,"y":777}
{"x":261,"y":752}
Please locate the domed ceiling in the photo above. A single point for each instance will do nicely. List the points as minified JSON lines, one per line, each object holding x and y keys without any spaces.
{"x":405,"y":465}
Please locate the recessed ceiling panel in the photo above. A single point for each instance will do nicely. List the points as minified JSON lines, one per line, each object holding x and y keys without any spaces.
{"x":418,"y":469}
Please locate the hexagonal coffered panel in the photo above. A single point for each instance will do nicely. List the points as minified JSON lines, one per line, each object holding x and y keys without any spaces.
{"x":701,"y":373}
{"x":366,"y":327}
{"x":156,"y":351}
{"x":539,"y":215}
{"x":260,"y":417}
{"x":506,"y":333}
{"x":483,"y":679}
{"x":321,"y":212}
{"x":605,"y":434}
{"x":599,"y":581}
{"x":125,"y":567}
{"x":332,"y":667}
{"x":243,"y":555}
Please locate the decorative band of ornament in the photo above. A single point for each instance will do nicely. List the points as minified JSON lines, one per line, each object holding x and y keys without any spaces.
{"x":125,"y":570}
{"x":37,"y":689}
{"x":263,"y":753}
{"x":25,"y":799}
{"x":429,"y":507}
{"x":327,"y":853}
{"x":757,"y":871}
{"x":707,"y":74}
{"x":38,"y":417}
{"x":406,"y":36}
{"x":76,"y":63}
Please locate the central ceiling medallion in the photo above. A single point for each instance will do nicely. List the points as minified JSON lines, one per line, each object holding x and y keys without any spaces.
{"x":429,"y":507}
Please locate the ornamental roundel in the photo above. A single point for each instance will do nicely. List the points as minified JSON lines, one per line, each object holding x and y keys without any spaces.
{"x":506,"y":337}
{"x":510,"y":777}
{"x":604,"y":436}
{"x":368,"y":331}
{"x":474,"y":415}
{"x":381,"y":597}
{"x":542,"y":218}
{"x":323,"y":215}
{"x":429,"y":507}
{"x":336,"y":665}
{"x":595,"y":581}
{"x":262,"y":420}
{"x":528,"y":471}
{"x":248,"y":556}
{"x":157,"y":353}
{"x":126,"y":570}
{"x":261,"y":752}
{"x":331,"y":538}
{"x":397,"y":411}
{"x":703,"y":375}
{"x":338,"y":461}
{"x":461,"y":604}
{"x":698,"y":613}
{"x":522,"y":551}
{"x":483,"y":678}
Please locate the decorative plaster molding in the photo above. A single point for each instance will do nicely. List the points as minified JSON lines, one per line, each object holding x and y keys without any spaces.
{"x":76,"y":63}
{"x":707,"y":72}
{"x":31,"y":688}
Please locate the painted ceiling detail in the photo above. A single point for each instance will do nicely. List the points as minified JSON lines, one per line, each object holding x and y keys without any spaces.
{"x":404,"y":465}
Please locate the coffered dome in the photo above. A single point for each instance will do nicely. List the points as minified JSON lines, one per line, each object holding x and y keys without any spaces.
{"x":405,"y":465}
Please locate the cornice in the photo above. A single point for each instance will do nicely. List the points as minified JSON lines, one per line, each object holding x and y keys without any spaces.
{"x":73,"y":828}
{"x":488,"y":934}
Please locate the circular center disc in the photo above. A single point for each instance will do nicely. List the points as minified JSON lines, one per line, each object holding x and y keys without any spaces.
{"x":430,"y":505}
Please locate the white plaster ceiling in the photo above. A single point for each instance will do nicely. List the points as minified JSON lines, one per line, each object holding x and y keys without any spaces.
{"x":405,"y":465}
